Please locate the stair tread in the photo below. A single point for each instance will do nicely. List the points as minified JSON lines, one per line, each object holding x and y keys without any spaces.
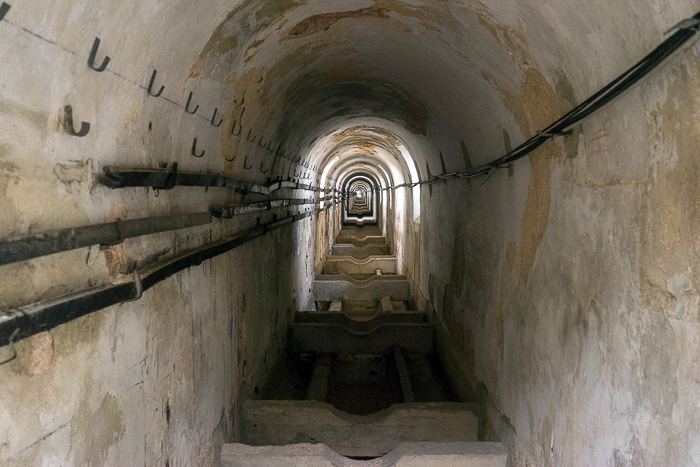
{"x":287,"y":422}
{"x":462,"y":454}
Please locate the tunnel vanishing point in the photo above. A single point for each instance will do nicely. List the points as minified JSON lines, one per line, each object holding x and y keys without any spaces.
{"x":350,"y":233}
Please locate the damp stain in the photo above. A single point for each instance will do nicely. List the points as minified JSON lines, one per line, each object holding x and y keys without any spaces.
{"x":322,"y":22}
{"x":533,"y":106}
{"x":94,"y":431}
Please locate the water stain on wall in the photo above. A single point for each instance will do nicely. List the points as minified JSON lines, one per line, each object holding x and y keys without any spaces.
{"x":99,"y":429}
{"x":322,"y":22}
{"x":669,"y":278}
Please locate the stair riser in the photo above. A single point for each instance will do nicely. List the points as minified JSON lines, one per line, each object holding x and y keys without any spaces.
{"x":338,"y":340}
{"x":288,"y":422}
{"x":348,"y":265}
{"x":331,"y":290}
{"x":360,"y":252}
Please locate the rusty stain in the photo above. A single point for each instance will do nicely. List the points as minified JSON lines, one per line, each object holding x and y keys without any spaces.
{"x":275,"y":9}
{"x":670,"y":211}
{"x":41,"y":355}
{"x":196,"y":69}
{"x":533,"y":107}
{"x":322,"y":22}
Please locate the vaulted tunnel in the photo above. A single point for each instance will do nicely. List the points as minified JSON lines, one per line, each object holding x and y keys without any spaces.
{"x":225,"y":218}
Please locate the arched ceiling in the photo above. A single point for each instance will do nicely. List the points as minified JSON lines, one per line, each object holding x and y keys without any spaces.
{"x":457,"y":81}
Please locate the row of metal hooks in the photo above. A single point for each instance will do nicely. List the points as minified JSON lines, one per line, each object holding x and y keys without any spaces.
{"x":301,"y":174}
{"x":236,"y":128}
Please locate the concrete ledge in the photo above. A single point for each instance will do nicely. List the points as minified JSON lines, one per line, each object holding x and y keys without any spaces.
{"x":410,"y":317}
{"x":339,"y":340}
{"x":406,"y":455}
{"x":288,"y":422}
{"x":361,"y":241}
{"x":345,"y":288}
{"x":350,"y":265}
{"x":359,"y":252}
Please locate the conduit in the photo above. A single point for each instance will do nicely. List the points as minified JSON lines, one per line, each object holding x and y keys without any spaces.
{"x":25,"y":321}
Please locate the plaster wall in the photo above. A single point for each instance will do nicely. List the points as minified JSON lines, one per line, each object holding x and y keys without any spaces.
{"x":157,"y":381}
{"x":567,"y":280}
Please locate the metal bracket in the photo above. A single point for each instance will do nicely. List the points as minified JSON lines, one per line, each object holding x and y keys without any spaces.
{"x":688,"y":23}
{"x":122,"y":235}
{"x":240,"y":124}
{"x":187,"y":106}
{"x":68,"y":123}
{"x":194,"y":149}
{"x":150,"y":85}
{"x":4,"y":8}
{"x":552,"y":134}
{"x":93,"y":54}
{"x":213,"y":119}
{"x":248,"y":137}
{"x":12,"y":348}
{"x":139,"y":287}
{"x":171,"y":180}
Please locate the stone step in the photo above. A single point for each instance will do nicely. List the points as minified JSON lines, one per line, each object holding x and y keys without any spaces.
{"x":405,"y":455}
{"x":345,"y":288}
{"x":337,"y":339}
{"x":361,"y":241}
{"x":363,"y":326}
{"x":350,"y":265}
{"x":362,"y":310}
{"x":362,"y":252}
{"x":278,"y":423}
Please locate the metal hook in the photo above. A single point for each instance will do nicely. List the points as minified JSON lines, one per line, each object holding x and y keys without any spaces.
{"x":233,"y":158}
{"x":68,"y":123}
{"x":4,"y":8}
{"x":150,"y":85}
{"x":11,"y":341}
{"x":194,"y":149}
{"x":187,"y":106}
{"x":277,"y":151}
{"x":261,"y":168}
{"x":248,"y":137}
{"x":93,"y":54}
{"x":213,"y":117}
{"x":245,"y":164}
{"x":122,"y":235}
{"x":240,"y":124}
{"x":171,"y":180}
